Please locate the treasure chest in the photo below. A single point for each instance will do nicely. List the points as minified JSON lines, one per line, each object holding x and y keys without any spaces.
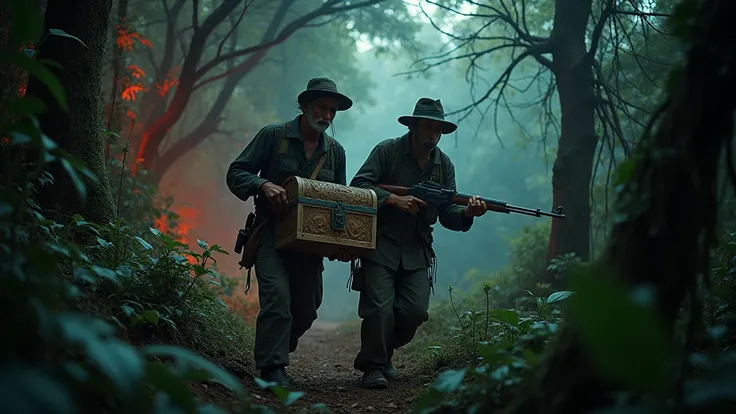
{"x":324,"y":217}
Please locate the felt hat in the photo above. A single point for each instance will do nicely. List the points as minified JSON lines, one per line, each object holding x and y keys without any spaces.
{"x":321,"y":87}
{"x":427,"y":108}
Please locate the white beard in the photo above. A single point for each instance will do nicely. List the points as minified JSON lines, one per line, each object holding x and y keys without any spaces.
{"x":319,"y":127}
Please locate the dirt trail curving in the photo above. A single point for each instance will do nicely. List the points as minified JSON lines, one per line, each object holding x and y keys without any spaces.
{"x":322,"y":368}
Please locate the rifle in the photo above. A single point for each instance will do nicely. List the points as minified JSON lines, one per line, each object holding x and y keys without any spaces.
{"x":433,"y":193}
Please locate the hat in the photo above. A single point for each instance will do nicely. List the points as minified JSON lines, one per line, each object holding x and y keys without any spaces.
{"x":427,"y":108}
{"x":320,"y":87}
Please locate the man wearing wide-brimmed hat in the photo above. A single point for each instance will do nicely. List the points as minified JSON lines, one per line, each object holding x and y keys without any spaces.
{"x":395,"y":279}
{"x":289,"y":284}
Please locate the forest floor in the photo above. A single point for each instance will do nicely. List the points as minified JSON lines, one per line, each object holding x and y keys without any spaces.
{"x":322,"y":368}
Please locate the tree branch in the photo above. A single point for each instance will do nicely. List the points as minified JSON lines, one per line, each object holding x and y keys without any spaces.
{"x":326,"y":9}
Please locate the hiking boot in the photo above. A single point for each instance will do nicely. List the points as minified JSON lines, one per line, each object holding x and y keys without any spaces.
{"x":277,"y":375}
{"x":389,"y":372}
{"x":374,"y":379}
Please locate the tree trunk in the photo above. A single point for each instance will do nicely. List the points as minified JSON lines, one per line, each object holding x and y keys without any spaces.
{"x":78,"y":131}
{"x":573,"y":167}
{"x":670,"y":204}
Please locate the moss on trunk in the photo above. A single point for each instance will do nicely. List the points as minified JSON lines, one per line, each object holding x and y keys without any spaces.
{"x":79,"y":131}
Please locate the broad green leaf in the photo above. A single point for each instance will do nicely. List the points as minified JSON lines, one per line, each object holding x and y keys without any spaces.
{"x":202,"y":244}
{"x":29,"y":390}
{"x":558,"y":296}
{"x":187,"y":358}
{"x":143,"y":243}
{"x":217,"y":248}
{"x":127,"y":310}
{"x":490,"y":354}
{"x":624,"y":338}
{"x":291,"y":397}
{"x":155,"y":232}
{"x":59,"y":32}
{"x":448,"y":381}
{"x":120,"y":362}
{"x":78,"y":183}
{"x":105,"y":273}
{"x":504,"y":315}
{"x":38,"y":70}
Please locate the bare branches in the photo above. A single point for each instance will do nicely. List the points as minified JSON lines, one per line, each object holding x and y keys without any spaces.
{"x":329,"y":7}
{"x":232,"y":29}
{"x":598,"y":30}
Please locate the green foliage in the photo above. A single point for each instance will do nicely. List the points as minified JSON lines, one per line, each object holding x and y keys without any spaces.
{"x":505,"y":299}
{"x":496,"y":346}
{"x":484,"y":343}
{"x":76,"y":295}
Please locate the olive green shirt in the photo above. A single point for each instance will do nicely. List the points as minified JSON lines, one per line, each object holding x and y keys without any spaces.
{"x":261,"y":161}
{"x":404,"y":239}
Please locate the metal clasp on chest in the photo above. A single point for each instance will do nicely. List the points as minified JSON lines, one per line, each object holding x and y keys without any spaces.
{"x":338,"y":216}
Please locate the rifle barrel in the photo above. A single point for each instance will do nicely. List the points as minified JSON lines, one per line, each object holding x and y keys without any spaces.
{"x":501,"y":206}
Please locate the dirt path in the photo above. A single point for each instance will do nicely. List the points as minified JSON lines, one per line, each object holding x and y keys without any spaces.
{"x":322,"y":368}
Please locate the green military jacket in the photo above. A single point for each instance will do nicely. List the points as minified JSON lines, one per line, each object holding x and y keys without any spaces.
{"x":405,"y":239}
{"x":276,"y":153}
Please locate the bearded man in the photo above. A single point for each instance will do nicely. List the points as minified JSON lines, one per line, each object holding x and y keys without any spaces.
{"x":396,"y":281}
{"x":289,"y":284}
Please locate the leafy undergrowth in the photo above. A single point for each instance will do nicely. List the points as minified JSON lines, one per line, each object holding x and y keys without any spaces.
{"x":481,"y":348}
{"x":101,"y":317}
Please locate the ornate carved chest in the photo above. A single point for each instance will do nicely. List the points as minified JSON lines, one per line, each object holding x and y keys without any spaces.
{"x":325,"y":216}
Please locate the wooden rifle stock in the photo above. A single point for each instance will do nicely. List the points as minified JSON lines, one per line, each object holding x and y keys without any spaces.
{"x":395,"y":189}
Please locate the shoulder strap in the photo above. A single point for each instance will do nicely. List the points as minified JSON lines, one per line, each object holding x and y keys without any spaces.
{"x":328,"y":153}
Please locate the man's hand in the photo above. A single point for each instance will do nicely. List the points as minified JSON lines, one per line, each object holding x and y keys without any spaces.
{"x":475,"y":208}
{"x":342,"y":255}
{"x":409,"y":204}
{"x":276,"y":196}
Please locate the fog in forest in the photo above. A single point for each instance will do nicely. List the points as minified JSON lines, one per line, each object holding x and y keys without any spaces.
{"x":495,"y":154}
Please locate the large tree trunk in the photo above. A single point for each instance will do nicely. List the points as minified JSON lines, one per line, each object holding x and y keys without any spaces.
{"x":573,"y":166}
{"x":670,"y":204}
{"x":80,"y":130}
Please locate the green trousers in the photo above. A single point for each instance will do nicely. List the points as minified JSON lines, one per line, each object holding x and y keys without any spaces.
{"x":392,"y":305}
{"x":289,"y":292}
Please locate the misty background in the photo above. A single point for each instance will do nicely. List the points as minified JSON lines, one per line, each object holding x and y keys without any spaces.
{"x":493,"y":154}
